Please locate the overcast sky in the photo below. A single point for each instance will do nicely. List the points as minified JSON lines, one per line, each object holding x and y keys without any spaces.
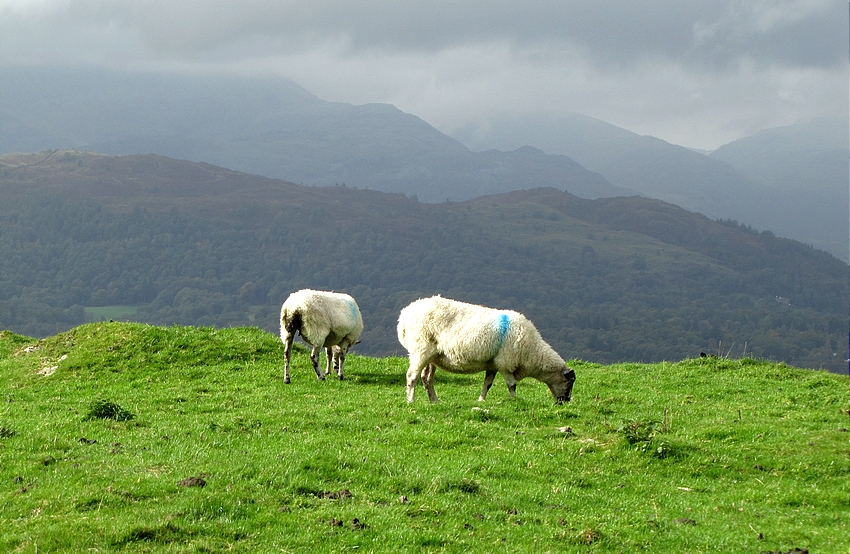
{"x":697,"y":73}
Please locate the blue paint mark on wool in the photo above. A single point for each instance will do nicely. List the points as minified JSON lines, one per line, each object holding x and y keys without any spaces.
{"x":504,"y":323}
{"x":353,"y":309}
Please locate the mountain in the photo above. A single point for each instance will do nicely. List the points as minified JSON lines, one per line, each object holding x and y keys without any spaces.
{"x":270,"y":127}
{"x":610,"y":279}
{"x":275,"y":128}
{"x":792,"y":181}
{"x":806,"y":164}
{"x":784,"y":155}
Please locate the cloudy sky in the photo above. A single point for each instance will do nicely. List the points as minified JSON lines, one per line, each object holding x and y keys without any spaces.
{"x":694,"y":72}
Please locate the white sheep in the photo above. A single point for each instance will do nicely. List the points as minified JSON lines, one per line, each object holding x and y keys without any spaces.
{"x":466,"y":338}
{"x":329,"y":320}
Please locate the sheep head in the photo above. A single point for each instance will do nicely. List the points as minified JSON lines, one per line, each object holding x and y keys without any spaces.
{"x":562,"y":389}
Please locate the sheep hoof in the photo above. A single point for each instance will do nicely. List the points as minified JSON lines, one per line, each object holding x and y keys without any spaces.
{"x":286,"y":380}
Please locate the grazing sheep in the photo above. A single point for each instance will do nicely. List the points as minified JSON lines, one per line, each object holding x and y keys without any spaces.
{"x":465,"y":338}
{"x":328,"y":320}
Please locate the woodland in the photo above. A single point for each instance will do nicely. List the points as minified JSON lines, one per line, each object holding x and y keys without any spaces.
{"x":607,"y":280}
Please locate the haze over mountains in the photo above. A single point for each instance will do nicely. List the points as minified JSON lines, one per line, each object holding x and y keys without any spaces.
{"x":269,"y":127}
{"x":277,"y":129}
{"x":806,"y":168}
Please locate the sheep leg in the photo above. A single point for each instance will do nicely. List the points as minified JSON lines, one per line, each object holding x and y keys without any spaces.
{"x":428,"y":382}
{"x":417,"y":365}
{"x":511,"y":382}
{"x":488,"y":382}
{"x":287,"y":351}
{"x":339,"y":361}
{"x":329,"y":356}
{"x":314,"y":357}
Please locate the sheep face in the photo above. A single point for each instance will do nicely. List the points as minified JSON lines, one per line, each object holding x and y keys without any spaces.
{"x":562,"y":388}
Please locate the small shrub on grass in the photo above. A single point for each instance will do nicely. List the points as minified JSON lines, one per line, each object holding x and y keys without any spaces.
{"x":664,"y":450}
{"x":644,"y":437}
{"x":639,"y":431}
{"x":106,"y":409}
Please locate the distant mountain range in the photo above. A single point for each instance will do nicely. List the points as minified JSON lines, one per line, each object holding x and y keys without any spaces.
{"x":790,"y":180}
{"x":796,"y":187}
{"x":269,"y":127}
{"x":612,"y":279}
{"x":805,"y":167}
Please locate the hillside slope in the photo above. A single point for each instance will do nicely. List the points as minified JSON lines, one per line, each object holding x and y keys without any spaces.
{"x":139,"y":438}
{"x":604,"y":280}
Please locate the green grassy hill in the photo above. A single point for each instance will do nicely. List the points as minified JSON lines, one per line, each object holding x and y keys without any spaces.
{"x":135,"y":438}
{"x":607,"y":280}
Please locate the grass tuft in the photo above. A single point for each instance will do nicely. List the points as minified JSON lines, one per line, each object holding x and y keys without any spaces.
{"x":106,"y":409}
{"x":467,"y":486}
{"x":588,"y":536}
{"x":165,"y":534}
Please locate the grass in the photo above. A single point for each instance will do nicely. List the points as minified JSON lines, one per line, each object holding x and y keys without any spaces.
{"x":216,"y":454}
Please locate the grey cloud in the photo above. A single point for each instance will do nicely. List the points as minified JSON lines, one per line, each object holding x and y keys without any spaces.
{"x":803,"y":33}
{"x":609,"y":33}
{"x":694,"y":72}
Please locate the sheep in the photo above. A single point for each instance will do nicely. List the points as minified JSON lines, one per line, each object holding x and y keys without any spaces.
{"x":328,"y":320}
{"x":467,"y":338}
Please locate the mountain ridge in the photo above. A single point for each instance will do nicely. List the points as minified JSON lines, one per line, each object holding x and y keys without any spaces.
{"x":273,"y":127}
{"x":269,"y":127}
{"x":796,"y":187}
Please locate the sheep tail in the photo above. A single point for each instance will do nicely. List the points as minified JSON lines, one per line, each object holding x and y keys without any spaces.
{"x":293,"y":322}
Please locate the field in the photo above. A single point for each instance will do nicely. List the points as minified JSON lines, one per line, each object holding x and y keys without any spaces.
{"x":135,"y":438}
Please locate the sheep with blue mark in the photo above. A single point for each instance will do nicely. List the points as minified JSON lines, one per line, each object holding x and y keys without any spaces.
{"x":329,"y":320}
{"x":467,"y":338}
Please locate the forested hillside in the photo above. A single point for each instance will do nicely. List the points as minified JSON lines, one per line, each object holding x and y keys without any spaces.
{"x":604,"y":280}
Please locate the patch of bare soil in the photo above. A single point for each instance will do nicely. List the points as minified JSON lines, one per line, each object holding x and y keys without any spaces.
{"x":335,"y":495}
{"x":192,"y":482}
